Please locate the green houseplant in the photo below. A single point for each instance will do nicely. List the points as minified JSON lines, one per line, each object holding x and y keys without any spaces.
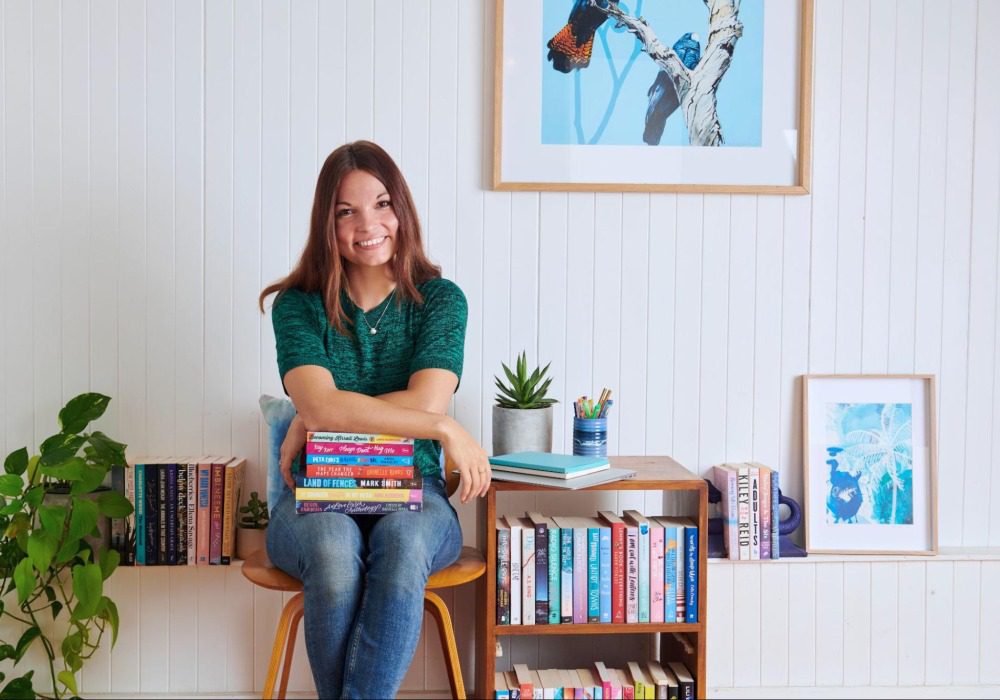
{"x":522,"y":415}
{"x":50,"y":562}
{"x":251,"y":526}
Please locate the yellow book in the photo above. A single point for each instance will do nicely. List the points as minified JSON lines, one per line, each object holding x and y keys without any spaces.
{"x":232,"y":485}
{"x":380,"y":495}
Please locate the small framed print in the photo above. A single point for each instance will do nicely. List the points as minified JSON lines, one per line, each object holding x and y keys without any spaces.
{"x":870,"y":458}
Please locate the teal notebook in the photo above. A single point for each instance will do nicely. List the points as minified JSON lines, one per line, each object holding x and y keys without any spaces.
{"x":552,"y":465}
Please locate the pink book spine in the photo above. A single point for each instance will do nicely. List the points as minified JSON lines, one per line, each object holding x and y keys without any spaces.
{"x":580,"y":575}
{"x":631,"y":574}
{"x":346,"y":448}
{"x":656,"y":574}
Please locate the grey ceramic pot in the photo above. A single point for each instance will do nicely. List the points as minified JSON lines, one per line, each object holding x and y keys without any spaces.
{"x":522,"y":430}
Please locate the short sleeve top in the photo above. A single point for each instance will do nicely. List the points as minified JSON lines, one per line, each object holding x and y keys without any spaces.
{"x":410,"y":337}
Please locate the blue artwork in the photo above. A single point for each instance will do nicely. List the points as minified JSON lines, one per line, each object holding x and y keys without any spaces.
{"x":870,"y":462}
{"x":701,"y":86}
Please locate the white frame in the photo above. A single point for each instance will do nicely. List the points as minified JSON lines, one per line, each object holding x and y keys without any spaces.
{"x":827,"y":538}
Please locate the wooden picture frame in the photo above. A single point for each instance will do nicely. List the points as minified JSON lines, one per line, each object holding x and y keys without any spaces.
{"x":870,"y":463}
{"x":618,"y":118}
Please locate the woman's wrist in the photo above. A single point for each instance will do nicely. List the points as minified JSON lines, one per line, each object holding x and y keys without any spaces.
{"x":444,"y":428}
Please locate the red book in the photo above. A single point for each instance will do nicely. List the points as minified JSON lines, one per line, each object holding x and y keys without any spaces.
{"x":617,"y":565}
{"x":342,"y":471}
{"x":362,"y":450}
{"x":215,"y":513}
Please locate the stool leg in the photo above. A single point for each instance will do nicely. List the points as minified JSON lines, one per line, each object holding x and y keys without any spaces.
{"x":284,"y":640}
{"x":293,"y":631}
{"x":439,"y":611}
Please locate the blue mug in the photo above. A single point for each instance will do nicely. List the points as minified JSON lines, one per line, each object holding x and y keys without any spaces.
{"x":590,"y":437}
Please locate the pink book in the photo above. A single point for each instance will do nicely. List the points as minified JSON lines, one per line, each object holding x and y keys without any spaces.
{"x":364,"y":449}
{"x":631,"y":574}
{"x":655,"y":573}
{"x":203,"y":523}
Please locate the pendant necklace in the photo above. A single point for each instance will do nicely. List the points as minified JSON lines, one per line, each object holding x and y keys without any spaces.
{"x":372,"y":330}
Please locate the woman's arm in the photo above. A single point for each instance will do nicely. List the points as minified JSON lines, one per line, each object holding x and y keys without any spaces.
{"x":322,"y":406}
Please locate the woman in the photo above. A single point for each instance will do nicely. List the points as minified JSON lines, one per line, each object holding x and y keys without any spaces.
{"x":369,"y":339}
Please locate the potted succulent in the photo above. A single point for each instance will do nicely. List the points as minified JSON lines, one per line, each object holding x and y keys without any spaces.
{"x":251,"y":527}
{"x":522,"y":415}
{"x":53,"y":561}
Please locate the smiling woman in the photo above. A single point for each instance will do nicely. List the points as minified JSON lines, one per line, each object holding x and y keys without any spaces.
{"x":370,"y":339}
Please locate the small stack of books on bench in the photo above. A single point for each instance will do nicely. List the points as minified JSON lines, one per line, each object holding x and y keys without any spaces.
{"x":749,"y":508}
{"x":358,"y":473}
{"x":556,"y":470}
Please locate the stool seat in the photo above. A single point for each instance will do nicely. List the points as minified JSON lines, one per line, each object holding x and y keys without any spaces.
{"x":469,"y":566}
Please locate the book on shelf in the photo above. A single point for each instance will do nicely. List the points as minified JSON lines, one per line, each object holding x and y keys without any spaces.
{"x":527,"y":571}
{"x":359,"y":460}
{"x":203,"y":519}
{"x":516,"y":599}
{"x":643,"y":684}
{"x":575,"y":579}
{"x":191,"y":514}
{"x":360,"y":449}
{"x":549,"y":464}
{"x":216,"y":496}
{"x":605,"y":476}
{"x":500,"y":689}
{"x":765,"y":509}
{"x":503,"y":571}
{"x":754,"y":512}
{"x":338,"y":471}
{"x":233,"y":495}
{"x":356,"y":438}
{"x":617,"y":527}
{"x":685,"y":681}
{"x":524,"y":680}
{"x":663,"y":679}
{"x":772,"y":506}
{"x":725,"y":481}
{"x":628,"y":689}
{"x":743,"y":524}
{"x":512,"y":685}
{"x":639,"y":521}
{"x":656,"y":571}
{"x":541,"y":533}
{"x":180,"y":554}
{"x":551,"y":681}
{"x":591,"y":684}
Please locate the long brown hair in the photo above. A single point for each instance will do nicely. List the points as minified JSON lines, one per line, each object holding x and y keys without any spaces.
{"x":320,"y":268}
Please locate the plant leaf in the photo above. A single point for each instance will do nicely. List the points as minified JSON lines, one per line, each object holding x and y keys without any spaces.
{"x":11,"y":485}
{"x":24,"y":579}
{"x":61,"y":447}
{"x":68,"y":680}
{"x":106,"y":450}
{"x":16,"y":462}
{"x":56,"y":609}
{"x":87,"y":587}
{"x":52,"y":518}
{"x":82,"y":409}
{"x":18,"y":524}
{"x":83,"y":518}
{"x":109,"y":562}
{"x":68,"y":470}
{"x":6,"y":652}
{"x":114,"y":505}
{"x":30,"y":635}
{"x":33,"y":496}
{"x":42,"y":548}
{"x":90,"y":478}
{"x":109,"y":612}
{"x":19,"y":688}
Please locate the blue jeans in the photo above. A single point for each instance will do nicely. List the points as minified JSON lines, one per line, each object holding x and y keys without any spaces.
{"x":363,"y":577}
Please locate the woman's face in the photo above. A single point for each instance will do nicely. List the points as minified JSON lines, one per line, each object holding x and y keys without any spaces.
{"x":366,"y":223}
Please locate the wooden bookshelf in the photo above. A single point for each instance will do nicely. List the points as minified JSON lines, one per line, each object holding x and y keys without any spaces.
{"x":678,"y":641}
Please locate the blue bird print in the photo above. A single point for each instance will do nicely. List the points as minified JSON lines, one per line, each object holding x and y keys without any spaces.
{"x":662,"y":95}
{"x":572,"y":45}
{"x":844,"y":500}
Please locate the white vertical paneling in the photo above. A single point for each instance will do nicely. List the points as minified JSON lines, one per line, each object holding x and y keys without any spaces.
{"x":803,"y":628}
{"x":632,"y":390}
{"x":303,"y":115}
{"x":878,"y":187}
{"x":660,"y":343}
{"x":4,"y":237}
{"x":239,"y":631}
{"x":189,"y":208}
{"x":414,"y":156}
{"x":884,"y":624}
{"x":160,"y":309}
{"x":851,"y":189}
{"x":827,"y":119}
{"x":247,"y":320}
{"x":930,"y":198}
{"x":126,"y":661}
{"x":968,"y":622}
{"x":331,"y":76}
{"x":266,"y":612}
{"x":940,"y":622}
{"x":721,"y":661}
{"x":74,"y":229}
{"x":212,"y":624}
{"x":131,"y":220}
{"x":857,"y":624}
{"x":154,"y":627}
{"x":360,"y":86}
{"x":182,"y":627}
{"x":767,"y":331}
{"x":554,"y":283}
{"x":687,"y":329}
{"x":496,"y":300}
{"x":740,"y":312}
{"x":746,"y":623}
{"x":523,"y":279}
{"x":605,"y":281}
{"x":774,"y":627}
{"x":985,"y":225}
{"x":989,"y":616}
{"x":443,"y":110}
{"x":905,"y":184}
{"x":830,"y":624}
{"x":912,"y":616}
{"x":955,"y":320}
{"x":388,"y":114}
{"x":714,"y":332}
{"x":580,"y":299}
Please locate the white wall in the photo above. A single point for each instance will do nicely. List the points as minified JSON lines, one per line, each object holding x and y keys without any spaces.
{"x":157,"y":162}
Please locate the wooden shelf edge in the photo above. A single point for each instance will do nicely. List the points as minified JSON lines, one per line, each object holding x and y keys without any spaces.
{"x":597,"y":628}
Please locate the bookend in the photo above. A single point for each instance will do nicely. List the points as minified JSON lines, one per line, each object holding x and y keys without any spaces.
{"x":716,"y":543}
{"x":789,"y":525}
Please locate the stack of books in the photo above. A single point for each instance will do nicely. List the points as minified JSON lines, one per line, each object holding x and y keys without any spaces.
{"x":556,"y":470}
{"x":634,"y":681}
{"x":749,"y":510}
{"x":358,"y":473}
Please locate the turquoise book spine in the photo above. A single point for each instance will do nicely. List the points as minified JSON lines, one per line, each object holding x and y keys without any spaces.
{"x":605,"y":573}
{"x":593,"y":574}
{"x":555,"y":590}
{"x":643,"y":572}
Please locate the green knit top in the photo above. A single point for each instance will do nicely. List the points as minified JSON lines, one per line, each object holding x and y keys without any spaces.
{"x":410,"y":337}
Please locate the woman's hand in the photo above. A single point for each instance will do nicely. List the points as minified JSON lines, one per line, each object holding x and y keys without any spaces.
{"x":469,"y":459}
{"x":295,"y":440}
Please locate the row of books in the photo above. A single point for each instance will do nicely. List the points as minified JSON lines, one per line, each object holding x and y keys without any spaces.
{"x":636,"y":681}
{"x":605,"y":569}
{"x":185,"y":510}
{"x":749,"y":509}
{"x":358,"y":473}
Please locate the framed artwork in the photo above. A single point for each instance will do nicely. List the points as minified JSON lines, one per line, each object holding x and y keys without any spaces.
{"x":870,"y":445}
{"x":642,"y":95}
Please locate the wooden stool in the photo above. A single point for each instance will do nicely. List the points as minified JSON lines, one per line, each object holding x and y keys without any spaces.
{"x":259,"y":569}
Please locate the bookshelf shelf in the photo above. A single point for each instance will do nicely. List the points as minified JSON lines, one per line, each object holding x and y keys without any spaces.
{"x":681,"y":641}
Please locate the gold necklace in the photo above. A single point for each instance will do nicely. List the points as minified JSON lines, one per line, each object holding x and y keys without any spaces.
{"x":372,"y":330}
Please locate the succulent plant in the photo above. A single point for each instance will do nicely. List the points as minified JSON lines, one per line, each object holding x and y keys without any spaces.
{"x":254,"y":515}
{"x":524,"y":390}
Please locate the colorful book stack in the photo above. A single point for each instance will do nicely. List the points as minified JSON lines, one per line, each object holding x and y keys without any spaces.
{"x":749,"y":510}
{"x":607,"y":569}
{"x":358,"y":473}
{"x":185,"y":510}
{"x":634,"y":681}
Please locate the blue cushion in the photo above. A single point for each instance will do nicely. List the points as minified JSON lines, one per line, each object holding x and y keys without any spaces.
{"x":278,"y":413}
